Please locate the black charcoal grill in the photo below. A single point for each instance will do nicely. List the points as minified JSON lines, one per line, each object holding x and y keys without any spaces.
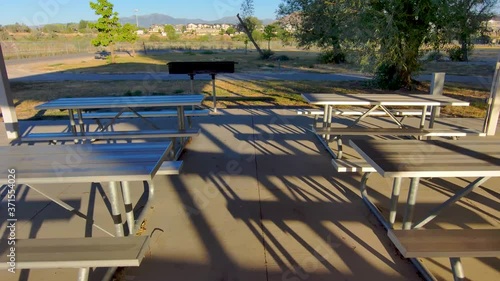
{"x":192,"y":68}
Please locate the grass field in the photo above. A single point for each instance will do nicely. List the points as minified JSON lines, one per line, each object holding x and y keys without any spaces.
{"x":230,"y":93}
{"x":482,"y":62}
{"x":240,"y":93}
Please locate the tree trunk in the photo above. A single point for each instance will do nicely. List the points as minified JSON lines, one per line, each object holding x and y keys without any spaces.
{"x":112,"y":51}
{"x":269,"y":45}
{"x":249,"y":34}
{"x":464,"y":50}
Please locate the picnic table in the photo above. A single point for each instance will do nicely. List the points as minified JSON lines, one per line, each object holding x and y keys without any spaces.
{"x":85,"y":163}
{"x":380,"y":103}
{"x":415,"y":159}
{"x":112,"y":163}
{"x":77,"y":105}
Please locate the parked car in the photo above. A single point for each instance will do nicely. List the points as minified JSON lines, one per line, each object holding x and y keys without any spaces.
{"x":102,"y":55}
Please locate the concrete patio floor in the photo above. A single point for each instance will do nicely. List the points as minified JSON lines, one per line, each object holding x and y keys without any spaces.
{"x":258,"y":199}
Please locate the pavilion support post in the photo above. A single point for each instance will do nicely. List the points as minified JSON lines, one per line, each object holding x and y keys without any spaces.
{"x":7,"y":102}
{"x":437,"y":85}
{"x":491,"y":121}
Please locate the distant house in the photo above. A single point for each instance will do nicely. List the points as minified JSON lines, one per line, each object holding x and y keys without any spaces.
{"x":155,"y":28}
{"x":494,"y":23}
{"x":139,"y":32}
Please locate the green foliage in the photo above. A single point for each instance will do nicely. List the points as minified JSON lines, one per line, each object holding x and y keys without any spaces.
{"x":171,"y":33}
{"x":252,"y":24}
{"x":107,"y":26}
{"x":456,"y":54}
{"x":128,"y":33}
{"x":230,"y":30}
{"x":154,"y":38}
{"x":16,"y":28}
{"x":331,"y":56}
{"x":385,"y":33}
{"x":388,"y":76}
{"x":269,"y":34}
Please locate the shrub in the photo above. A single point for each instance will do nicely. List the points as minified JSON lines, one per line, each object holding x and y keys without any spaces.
{"x":134,"y":93}
{"x":331,"y":56}
{"x":282,"y":58}
{"x":456,"y":53}
{"x":387,"y":76}
{"x":433,"y":56}
{"x":266,"y":54}
{"x":207,"y":52}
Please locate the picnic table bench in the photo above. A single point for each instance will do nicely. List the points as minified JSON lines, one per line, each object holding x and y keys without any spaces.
{"x":436,"y":158}
{"x":81,"y":253}
{"x":403,"y":113}
{"x":449,"y":243}
{"x":112,"y":163}
{"x":406,"y":131}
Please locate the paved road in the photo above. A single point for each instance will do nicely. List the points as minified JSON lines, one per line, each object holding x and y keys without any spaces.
{"x":20,"y":70}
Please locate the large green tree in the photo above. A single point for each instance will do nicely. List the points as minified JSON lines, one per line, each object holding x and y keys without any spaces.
{"x":384,"y":33}
{"x":107,"y":26}
{"x":466,"y":18}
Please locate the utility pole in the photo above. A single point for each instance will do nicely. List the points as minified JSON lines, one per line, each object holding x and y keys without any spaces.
{"x":136,"y":19}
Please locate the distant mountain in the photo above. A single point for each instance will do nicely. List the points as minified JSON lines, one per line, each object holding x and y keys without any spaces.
{"x":148,"y":20}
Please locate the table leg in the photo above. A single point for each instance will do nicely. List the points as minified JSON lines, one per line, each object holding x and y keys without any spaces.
{"x":115,"y":210}
{"x":180,"y":118}
{"x":422,"y":119}
{"x":129,"y":210}
{"x":325,"y":118}
{"x":369,"y":203}
{"x":450,"y":201}
{"x":83,"y":274}
{"x":147,"y":207}
{"x":410,"y":203}
{"x":80,"y":121}
{"x":72,"y":121}
{"x":456,"y":267}
{"x":396,"y":188}
{"x":213,"y":93}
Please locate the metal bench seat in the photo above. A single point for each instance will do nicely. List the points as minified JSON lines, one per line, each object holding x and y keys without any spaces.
{"x":398,"y":112}
{"x":170,"y":168}
{"x":447,"y":243}
{"x":360,"y":131}
{"x":82,"y":253}
{"x":107,"y":135}
{"x":145,"y":114}
{"x":352,"y":165}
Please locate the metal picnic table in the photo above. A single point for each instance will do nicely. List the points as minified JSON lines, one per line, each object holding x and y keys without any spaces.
{"x":88,"y":163}
{"x":77,"y":105}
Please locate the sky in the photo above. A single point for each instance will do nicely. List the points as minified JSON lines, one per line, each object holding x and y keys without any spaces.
{"x":39,"y":12}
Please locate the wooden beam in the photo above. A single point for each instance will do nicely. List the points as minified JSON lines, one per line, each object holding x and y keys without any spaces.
{"x":7,"y":102}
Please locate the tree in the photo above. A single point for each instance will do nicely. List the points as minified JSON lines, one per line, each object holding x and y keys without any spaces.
{"x":269,"y":33}
{"x":247,"y":23}
{"x":171,"y":33}
{"x":230,"y":30}
{"x":83,"y":26}
{"x":466,"y":18}
{"x":384,"y":33}
{"x":128,"y":33}
{"x":107,"y":26}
